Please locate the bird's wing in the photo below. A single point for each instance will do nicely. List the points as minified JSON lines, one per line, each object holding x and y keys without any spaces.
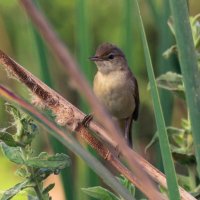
{"x":135,"y":93}
{"x":137,"y":99}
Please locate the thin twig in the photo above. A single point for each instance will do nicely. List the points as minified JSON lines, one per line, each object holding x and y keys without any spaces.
{"x":69,"y":115}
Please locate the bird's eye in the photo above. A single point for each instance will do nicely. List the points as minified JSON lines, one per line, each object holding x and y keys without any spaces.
{"x":110,"y":56}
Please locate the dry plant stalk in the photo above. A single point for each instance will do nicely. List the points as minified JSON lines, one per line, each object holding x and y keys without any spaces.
{"x":70,"y":116}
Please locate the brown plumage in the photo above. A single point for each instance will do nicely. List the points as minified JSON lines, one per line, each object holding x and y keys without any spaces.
{"x":116,"y":87}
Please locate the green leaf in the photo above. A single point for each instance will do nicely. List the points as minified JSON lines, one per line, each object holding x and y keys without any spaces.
{"x":186,"y":125}
{"x":12,"y":110}
{"x":195,"y":26}
{"x":8,"y":139}
{"x":167,"y":53}
{"x":99,"y":192}
{"x":173,"y":82}
{"x":163,"y":137}
{"x":176,"y":135}
{"x":25,"y":127}
{"x":189,"y":68}
{"x":54,"y":162}
{"x":181,"y":144}
{"x":184,"y":181}
{"x":48,"y":188}
{"x":126,"y":183}
{"x":22,"y":172}
{"x":14,"y":154}
{"x":8,"y":194}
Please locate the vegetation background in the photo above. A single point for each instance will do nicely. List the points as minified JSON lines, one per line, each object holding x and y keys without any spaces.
{"x":83,"y":25}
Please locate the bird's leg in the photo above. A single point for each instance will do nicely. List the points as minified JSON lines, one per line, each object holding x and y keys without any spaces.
{"x":128,"y":127}
{"x":86,"y":120}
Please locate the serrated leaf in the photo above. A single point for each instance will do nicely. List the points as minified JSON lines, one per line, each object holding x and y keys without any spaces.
{"x":54,"y":162}
{"x":99,"y":192}
{"x":48,"y":188}
{"x":14,"y":154}
{"x":8,"y":194}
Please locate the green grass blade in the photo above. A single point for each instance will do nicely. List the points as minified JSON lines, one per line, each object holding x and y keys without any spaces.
{"x":154,"y":11}
{"x":128,"y":28}
{"x":165,"y":65}
{"x":163,"y":139}
{"x":189,"y":68}
{"x":83,"y":43}
{"x":161,"y":15}
{"x":83,"y":38}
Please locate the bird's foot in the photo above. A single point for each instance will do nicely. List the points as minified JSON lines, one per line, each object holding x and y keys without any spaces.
{"x":86,"y":120}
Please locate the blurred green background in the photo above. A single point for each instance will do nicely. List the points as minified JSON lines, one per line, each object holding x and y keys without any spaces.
{"x":82,"y":25}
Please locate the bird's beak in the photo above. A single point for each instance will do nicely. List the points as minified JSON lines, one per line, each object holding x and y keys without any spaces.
{"x":95,"y":58}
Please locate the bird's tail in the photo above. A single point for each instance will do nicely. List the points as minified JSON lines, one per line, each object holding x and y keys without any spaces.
{"x":130,"y":138}
{"x":126,"y":127}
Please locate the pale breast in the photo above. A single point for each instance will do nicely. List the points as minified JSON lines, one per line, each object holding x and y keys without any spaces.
{"x":115,"y":91}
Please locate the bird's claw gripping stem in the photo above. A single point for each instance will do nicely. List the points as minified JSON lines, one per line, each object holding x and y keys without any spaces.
{"x":86,"y":120}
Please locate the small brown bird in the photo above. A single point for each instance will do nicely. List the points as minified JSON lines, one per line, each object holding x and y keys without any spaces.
{"x":116,"y":87}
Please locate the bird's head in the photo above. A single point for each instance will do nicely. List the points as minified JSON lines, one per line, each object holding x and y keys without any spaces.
{"x":109,"y":58}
